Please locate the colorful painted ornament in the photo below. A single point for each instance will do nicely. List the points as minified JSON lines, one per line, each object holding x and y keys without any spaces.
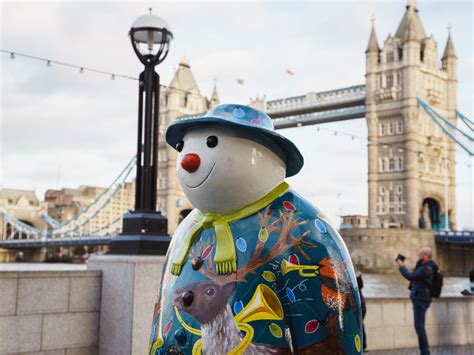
{"x":263,"y":234}
{"x":294,"y":259}
{"x":269,"y":276}
{"x":357,"y":342}
{"x":291,"y":295}
{"x":196,"y":263}
{"x":311,"y":326}
{"x":167,"y":328}
{"x":241,"y":245}
{"x":275,"y":329}
{"x":206,"y":252}
{"x":289,"y":206}
{"x":238,"y":306}
{"x":181,"y":336}
{"x":320,"y":226}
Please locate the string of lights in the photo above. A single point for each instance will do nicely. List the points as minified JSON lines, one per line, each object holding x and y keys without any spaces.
{"x":399,"y":147}
{"x":82,"y":69}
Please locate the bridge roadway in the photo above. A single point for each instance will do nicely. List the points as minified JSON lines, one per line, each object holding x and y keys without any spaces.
{"x":462,"y":238}
{"x":334,"y":115}
{"x":318,"y":107}
{"x":316,"y":102}
{"x":55,"y":242}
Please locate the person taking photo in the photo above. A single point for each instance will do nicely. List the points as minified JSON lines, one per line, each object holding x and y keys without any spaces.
{"x":421,"y":279}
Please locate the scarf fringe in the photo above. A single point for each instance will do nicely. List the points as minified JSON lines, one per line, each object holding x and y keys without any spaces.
{"x":226,"y":267}
{"x":176,"y":269}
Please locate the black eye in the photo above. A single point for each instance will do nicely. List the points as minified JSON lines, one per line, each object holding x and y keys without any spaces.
{"x":210,"y":292}
{"x":211,"y":141}
{"x":179,"y":146}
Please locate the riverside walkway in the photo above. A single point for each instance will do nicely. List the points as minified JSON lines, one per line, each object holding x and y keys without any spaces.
{"x":439,"y":350}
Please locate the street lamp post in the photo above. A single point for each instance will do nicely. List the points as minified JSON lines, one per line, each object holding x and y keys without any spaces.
{"x":144,"y":229}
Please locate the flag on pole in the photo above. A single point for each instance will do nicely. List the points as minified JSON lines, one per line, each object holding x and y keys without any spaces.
{"x":290,"y":72}
{"x":240,"y":81}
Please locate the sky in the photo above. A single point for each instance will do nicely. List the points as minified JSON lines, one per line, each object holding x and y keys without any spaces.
{"x":60,"y":128}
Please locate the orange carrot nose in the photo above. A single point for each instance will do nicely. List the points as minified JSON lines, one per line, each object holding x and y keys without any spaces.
{"x":191,"y":162}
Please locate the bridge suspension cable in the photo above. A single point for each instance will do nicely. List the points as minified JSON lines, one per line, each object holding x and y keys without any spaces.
{"x":427,"y":107}
{"x":465,"y":120}
{"x":13,"y":228}
{"x":96,"y":207}
{"x":50,"y":220}
{"x":16,"y":231}
{"x":434,"y":115}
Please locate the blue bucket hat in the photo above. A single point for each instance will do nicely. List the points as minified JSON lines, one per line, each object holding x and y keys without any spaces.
{"x":254,"y":122}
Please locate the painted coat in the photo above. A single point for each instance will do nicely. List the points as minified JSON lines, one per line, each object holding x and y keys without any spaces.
{"x":294,"y":290}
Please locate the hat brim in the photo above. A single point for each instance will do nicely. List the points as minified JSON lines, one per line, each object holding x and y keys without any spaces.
{"x":293,"y":159}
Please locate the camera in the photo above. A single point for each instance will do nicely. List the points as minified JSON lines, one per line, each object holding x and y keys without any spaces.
{"x":400,"y":257}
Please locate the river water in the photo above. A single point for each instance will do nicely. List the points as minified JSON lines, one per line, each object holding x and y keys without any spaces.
{"x":374,"y":285}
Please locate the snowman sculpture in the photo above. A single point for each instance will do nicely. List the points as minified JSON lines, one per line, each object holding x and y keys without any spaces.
{"x":254,"y":268}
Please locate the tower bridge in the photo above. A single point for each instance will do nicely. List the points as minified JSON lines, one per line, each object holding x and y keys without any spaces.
{"x":317,"y":107}
{"x":408,"y":102}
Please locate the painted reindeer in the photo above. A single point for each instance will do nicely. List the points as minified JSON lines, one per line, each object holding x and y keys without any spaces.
{"x":208,"y":301}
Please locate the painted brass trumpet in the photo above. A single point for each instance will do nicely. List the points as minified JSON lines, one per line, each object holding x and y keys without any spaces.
{"x":263,"y":305}
{"x":304,"y":270}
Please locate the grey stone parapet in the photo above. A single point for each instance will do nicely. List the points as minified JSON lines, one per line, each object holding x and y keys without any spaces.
{"x":389,"y":322}
{"x":130,"y":285}
{"x":59,"y":312}
{"x":50,"y":312}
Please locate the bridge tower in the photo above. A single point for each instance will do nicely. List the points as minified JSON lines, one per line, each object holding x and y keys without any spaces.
{"x":181,"y":97}
{"x":408,"y":169}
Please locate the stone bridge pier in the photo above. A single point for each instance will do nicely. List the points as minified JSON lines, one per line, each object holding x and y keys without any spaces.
{"x":374,"y":250}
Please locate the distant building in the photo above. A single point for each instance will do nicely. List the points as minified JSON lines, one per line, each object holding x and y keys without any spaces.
{"x":67,"y":203}
{"x":354,"y":221}
{"x":181,"y":97}
{"x":24,"y":206}
{"x":408,"y":169}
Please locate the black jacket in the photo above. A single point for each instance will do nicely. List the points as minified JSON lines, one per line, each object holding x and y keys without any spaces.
{"x":420,"y":280}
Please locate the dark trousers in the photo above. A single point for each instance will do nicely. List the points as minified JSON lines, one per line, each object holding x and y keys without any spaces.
{"x":419,"y":313}
{"x":364,"y":336}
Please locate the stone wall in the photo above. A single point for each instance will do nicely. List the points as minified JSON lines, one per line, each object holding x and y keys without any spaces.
{"x":130,"y":284}
{"x":458,"y":260}
{"x":59,"y":313}
{"x":49,"y":312}
{"x":374,"y":250}
{"x":389,"y":322}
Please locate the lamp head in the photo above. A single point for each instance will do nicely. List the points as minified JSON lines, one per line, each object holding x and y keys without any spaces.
{"x":151,"y":37}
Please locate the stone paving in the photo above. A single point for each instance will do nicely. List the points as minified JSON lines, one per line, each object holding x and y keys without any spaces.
{"x":440,"y":350}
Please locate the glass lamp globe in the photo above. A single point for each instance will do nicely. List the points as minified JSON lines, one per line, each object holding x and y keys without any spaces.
{"x":151,"y":36}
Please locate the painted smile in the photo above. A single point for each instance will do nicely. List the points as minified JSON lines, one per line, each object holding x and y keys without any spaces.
{"x":203,"y":181}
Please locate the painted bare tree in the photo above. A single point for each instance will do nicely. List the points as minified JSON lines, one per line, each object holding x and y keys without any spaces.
{"x":207,"y":301}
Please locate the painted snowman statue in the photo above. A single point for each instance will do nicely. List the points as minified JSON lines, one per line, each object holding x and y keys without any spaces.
{"x":254,"y":268}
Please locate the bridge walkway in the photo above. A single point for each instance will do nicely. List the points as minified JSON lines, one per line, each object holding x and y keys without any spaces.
{"x":438,"y":350}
